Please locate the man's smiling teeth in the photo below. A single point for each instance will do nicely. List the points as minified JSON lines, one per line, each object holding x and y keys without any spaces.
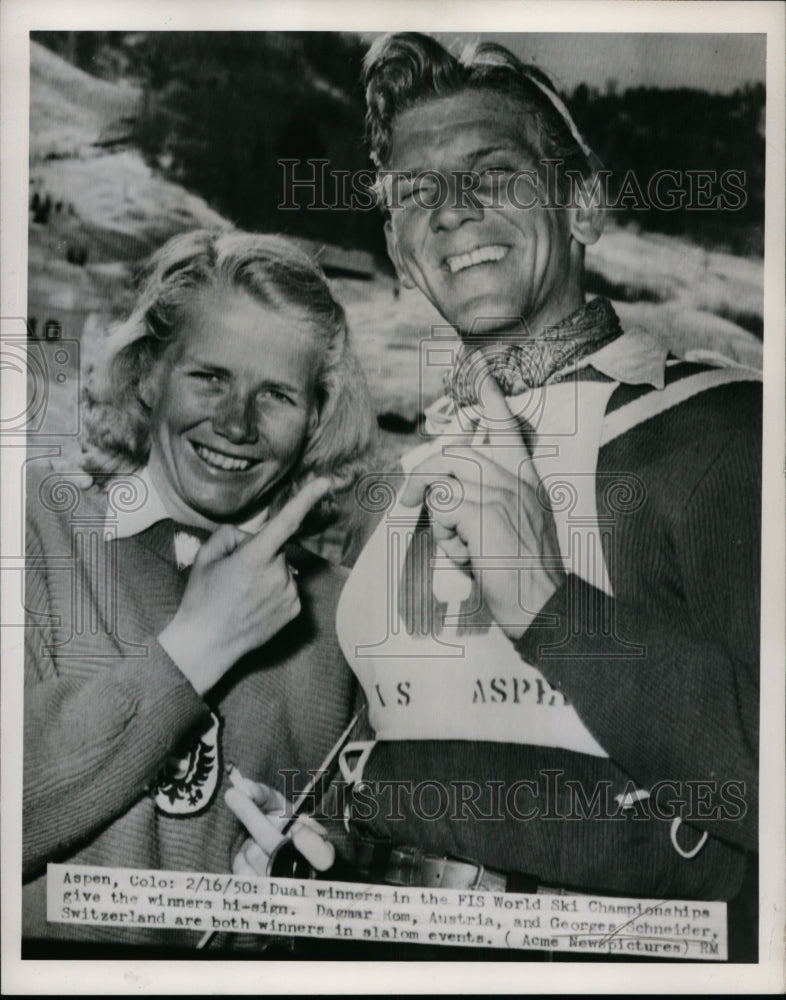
{"x":480,"y":256}
{"x":219,"y":461}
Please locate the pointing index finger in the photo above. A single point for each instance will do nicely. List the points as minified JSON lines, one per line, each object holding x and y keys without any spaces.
{"x":281,"y":527}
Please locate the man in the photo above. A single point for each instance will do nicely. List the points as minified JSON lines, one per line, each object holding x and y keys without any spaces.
{"x":578,"y":671}
{"x":661,"y":664}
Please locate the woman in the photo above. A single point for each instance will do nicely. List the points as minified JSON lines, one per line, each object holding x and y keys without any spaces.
{"x":218,"y":415}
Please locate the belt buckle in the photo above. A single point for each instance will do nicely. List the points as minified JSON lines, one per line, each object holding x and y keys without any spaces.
{"x":480,"y":870}
{"x":408,"y":860}
{"x":373,"y":856}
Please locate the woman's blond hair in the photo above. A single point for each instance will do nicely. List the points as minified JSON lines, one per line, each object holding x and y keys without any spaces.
{"x":275,"y":272}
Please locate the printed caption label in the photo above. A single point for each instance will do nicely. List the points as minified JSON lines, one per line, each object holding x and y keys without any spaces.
{"x":605,"y":925}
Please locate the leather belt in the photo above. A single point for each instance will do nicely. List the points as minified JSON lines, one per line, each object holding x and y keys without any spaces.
{"x":411,"y":866}
{"x":380,"y":861}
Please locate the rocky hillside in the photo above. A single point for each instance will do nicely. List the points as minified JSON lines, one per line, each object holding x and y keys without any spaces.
{"x":96,"y":207}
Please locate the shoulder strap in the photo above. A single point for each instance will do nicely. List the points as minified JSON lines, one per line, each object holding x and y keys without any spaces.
{"x":658,"y":401}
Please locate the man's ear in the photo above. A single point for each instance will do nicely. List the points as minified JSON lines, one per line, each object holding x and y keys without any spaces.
{"x":588,"y":212}
{"x":395,"y":256}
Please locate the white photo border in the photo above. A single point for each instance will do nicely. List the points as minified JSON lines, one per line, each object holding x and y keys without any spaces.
{"x":17,"y":19}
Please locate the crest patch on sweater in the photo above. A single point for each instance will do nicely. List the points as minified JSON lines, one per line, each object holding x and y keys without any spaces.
{"x":187,"y":783}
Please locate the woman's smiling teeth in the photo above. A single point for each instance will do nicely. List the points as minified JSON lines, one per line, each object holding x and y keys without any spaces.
{"x":218,"y":461}
{"x":481,"y":255}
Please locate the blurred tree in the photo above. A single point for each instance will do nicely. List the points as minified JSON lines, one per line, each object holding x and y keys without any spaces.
{"x":222,"y":109}
{"x":106,"y":54}
{"x":645,"y":130}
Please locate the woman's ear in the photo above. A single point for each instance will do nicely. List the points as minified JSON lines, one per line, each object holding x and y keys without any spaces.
{"x":588,"y":211}
{"x":148,"y":387}
{"x":395,"y":256}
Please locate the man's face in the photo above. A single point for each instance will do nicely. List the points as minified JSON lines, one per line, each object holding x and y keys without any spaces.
{"x":232,"y":403}
{"x":479,"y":264}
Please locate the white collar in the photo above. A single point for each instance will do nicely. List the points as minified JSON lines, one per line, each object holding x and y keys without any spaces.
{"x":134,"y":520}
{"x":636,"y":357}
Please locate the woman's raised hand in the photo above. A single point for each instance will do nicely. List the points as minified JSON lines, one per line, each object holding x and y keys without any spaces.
{"x":240,"y":593}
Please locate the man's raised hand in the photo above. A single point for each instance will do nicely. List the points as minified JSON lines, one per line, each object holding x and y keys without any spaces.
{"x":500,"y":526}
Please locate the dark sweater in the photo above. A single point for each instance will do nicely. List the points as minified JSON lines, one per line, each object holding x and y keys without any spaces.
{"x":671,"y":691}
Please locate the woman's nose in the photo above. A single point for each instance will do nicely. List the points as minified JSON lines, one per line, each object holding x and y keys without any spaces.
{"x":235,"y":420}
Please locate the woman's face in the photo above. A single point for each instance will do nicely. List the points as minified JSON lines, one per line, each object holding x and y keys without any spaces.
{"x":232,"y":402}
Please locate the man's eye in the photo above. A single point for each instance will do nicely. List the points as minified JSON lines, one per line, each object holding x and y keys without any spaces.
{"x":490,"y":175}
{"x":420,"y":193}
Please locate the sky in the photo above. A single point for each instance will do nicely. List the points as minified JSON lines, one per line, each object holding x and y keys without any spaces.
{"x":715,"y":62}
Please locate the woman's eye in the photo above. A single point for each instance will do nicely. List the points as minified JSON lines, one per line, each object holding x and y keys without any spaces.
{"x":208,"y":378}
{"x":276,"y":395}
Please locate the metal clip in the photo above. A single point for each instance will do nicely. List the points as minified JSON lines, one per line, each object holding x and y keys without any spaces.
{"x":677,"y":822}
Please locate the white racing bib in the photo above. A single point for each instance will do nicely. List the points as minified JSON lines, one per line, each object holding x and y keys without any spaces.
{"x":414,"y":628}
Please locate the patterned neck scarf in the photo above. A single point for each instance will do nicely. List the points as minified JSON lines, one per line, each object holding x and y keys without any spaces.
{"x":518,"y":367}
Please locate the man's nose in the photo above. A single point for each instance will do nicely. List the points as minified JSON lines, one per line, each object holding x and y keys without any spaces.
{"x":236,"y":420}
{"x":459,"y":202}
